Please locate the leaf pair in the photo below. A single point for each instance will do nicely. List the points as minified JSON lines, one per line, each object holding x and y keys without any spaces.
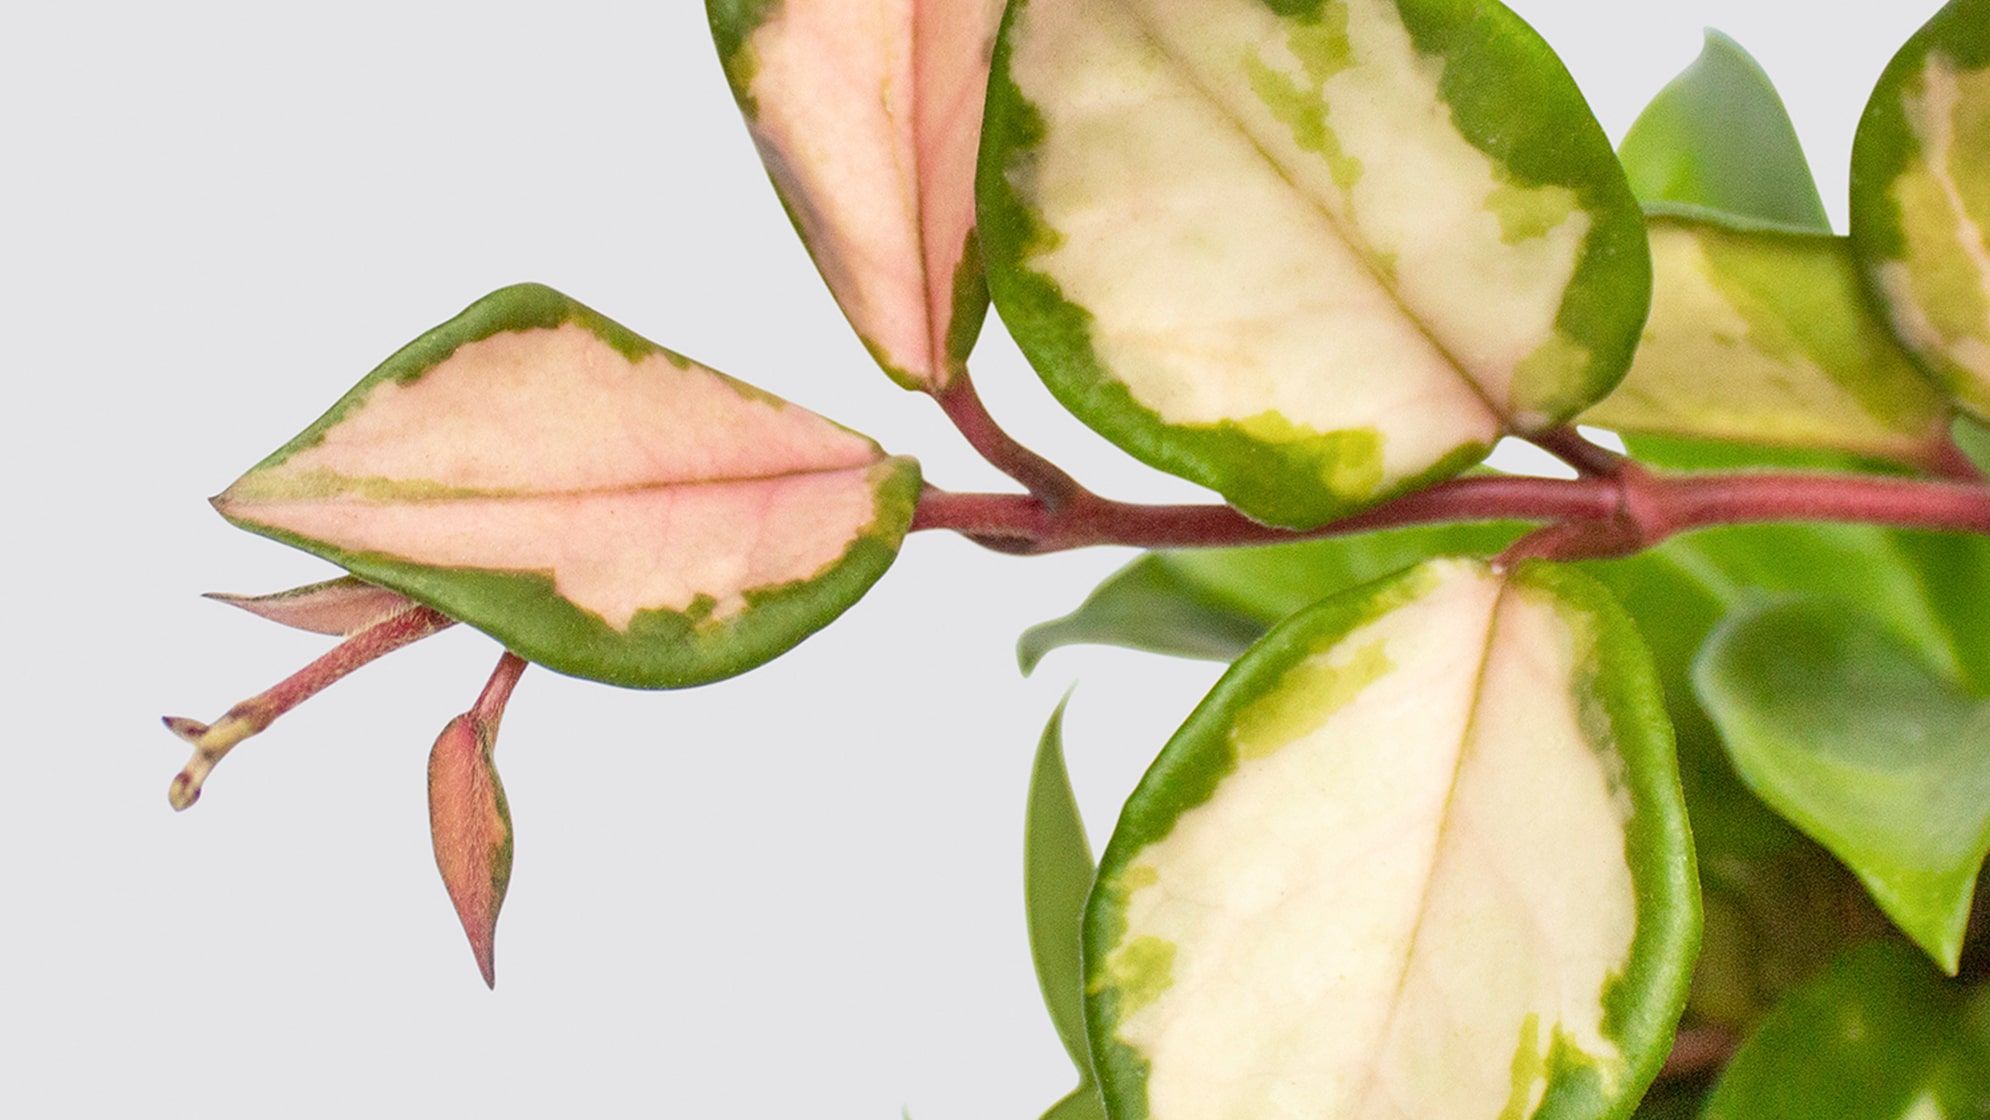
{"x":1420,"y":852}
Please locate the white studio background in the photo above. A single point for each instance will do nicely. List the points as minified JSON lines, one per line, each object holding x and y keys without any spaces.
{"x":796,"y":894}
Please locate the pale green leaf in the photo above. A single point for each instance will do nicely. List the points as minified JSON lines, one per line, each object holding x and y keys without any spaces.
{"x":1766,"y":337}
{"x":1878,"y":1037}
{"x":1718,"y":142}
{"x":1424,"y":842}
{"x":1841,"y":727}
{"x":1974,"y":441}
{"x":1921,"y":198}
{"x":1308,"y":254}
{"x":599,"y":504}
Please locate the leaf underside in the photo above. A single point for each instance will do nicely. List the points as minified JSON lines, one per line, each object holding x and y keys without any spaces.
{"x":599,"y":504}
{"x":1310,"y":255}
{"x":1420,"y":853}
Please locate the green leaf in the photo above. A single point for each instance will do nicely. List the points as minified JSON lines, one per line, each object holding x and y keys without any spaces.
{"x":1878,"y":1037}
{"x":1974,"y":441}
{"x":1768,"y":338}
{"x":1841,"y":727}
{"x":1213,"y":603}
{"x":1423,"y":843}
{"x":599,"y":504}
{"x":1311,"y":254}
{"x":1921,"y":198}
{"x":867,"y":120}
{"x":1718,"y":142}
{"x":1057,"y":875}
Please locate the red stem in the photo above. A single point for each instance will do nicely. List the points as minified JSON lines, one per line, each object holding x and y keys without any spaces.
{"x":1041,"y":477}
{"x":1632,"y":510}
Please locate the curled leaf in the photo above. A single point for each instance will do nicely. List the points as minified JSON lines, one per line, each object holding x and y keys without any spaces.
{"x":342,"y":606}
{"x":468,"y":818}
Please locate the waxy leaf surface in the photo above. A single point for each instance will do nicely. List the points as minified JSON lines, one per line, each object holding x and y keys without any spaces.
{"x":1308,"y":254}
{"x":1921,"y":198}
{"x":340,"y":607}
{"x":1878,"y":1037}
{"x":1717,"y":142}
{"x":867,"y":114}
{"x":1421,"y":853}
{"x":1057,"y":876}
{"x":1842,"y":728}
{"x":601,"y":505}
{"x":1767,"y":337}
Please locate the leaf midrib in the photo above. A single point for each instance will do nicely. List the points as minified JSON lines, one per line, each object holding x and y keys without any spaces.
{"x":353,"y":488}
{"x":1361,"y":251}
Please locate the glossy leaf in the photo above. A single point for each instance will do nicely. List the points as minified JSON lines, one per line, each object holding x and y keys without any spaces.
{"x":1921,"y":197}
{"x":469,"y":820}
{"x":867,"y":116}
{"x":1841,"y":727}
{"x":1718,"y":142}
{"x":341,"y":607}
{"x":1057,"y":876}
{"x":1420,"y":853}
{"x":601,"y":505}
{"x":1308,"y":254}
{"x":1777,"y":907}
{"x":1767,"y":338}
{"x":1878,"y":1037}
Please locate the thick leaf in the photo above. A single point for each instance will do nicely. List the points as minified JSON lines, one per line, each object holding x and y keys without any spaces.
{"x":1846,"y":731}
{"x":1718,"y":142}
{"x":1213,"y":603}
{"x":1057,"y":877}
{"x":868,"y":115}
{"x":1766,"y":337}
{"x":1778,"y":908}
{"x":1309,"y":254}
{"x":469,"y":820}
{"x":1878,"y":1037}
{"x":601,"y":505}
{"x":1921,"y":197}
{"x":1420,"y":853}
{"x":341,"y":607}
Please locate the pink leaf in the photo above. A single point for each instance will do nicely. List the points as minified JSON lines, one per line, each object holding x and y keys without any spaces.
{"x":868,"y":116}
{"x":342,"y":606}
{"x":468,"y":818}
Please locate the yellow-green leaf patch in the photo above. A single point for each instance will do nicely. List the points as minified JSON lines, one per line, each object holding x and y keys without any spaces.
{"x":1421,"y":853}
{"x":603,"y":506}
{"x":1308,"y":254}
{"x":1766,"y":337}
{"x":1921,"y":198}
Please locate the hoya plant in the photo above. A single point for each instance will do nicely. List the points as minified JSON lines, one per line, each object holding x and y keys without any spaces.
{"x":1661,"y":786}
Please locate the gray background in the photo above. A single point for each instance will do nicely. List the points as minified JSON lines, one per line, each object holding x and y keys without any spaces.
{"x":793,"y":894}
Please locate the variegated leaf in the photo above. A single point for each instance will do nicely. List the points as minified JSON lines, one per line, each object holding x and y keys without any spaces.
{"x":341,"y":607}
{"x":601,"y":505}
{"x":1921,"y":197}
{"x":469,"y":820}
{"x":1765,"y":337}
{"x":868,"y":116}
{"x":1310,"y":254}
{"x":1420,"y":855}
